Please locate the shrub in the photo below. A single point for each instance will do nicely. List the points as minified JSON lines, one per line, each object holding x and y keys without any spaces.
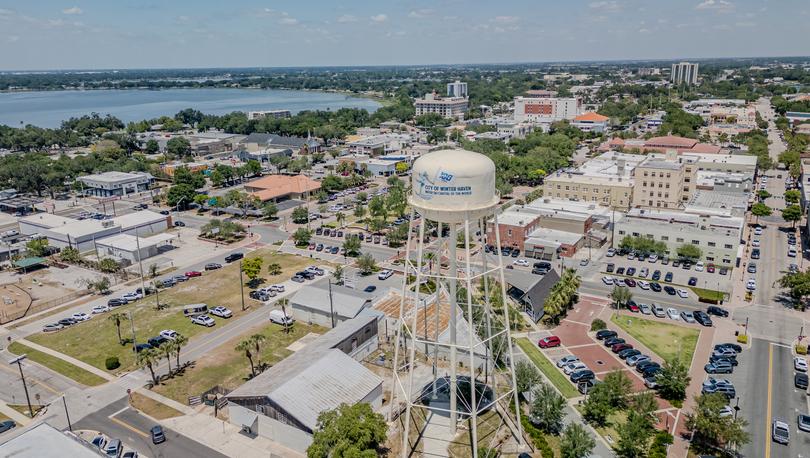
{"x":537,"y":437}
{"x":658,"y":449}
{"x":742,"y":338}
{"x":598,"y":325}
{"x":112,"y":363}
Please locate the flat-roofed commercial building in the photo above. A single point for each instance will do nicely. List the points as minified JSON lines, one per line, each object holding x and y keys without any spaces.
{"x":446,"y":107}
{"x":278,"y":188}
{"x":662,"y":183}
{"x":717,"y":236}
{"x":545,"y":108}
{"x":605,"y":180}
{"x":112,"y":184}
{"x":591,"y":122}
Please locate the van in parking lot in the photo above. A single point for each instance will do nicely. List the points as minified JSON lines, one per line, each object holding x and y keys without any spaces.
{"x":195,"y":309}
{"x":278,"y":317}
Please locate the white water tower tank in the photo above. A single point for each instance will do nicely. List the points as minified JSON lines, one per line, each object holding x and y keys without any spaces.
{"x":453,"y":185}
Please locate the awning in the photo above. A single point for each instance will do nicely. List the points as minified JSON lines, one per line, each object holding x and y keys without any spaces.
{"x":29,"y":262}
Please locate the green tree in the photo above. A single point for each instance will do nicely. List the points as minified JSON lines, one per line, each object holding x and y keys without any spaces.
{"x":792,"y":214}
{"x":257,"y":340}
{"x":302,"y":236}
{"x":689,"y":251}
{"x":673,"y":380}
{"x":618,"y":386}
{"x":526,"y":375}
{"x":576,"y":442}
{"x":300,"y":215}
{"x":269,"y":210}
{"x":548,"y":409}
{"x":246,"y":347}
{"x":349,"y":431}
{"x":337,"y":274}
{"x":179,"y":342}
{"x":376,"y":208}
{"x":396,"y":201}
{"x":152,"y":146}
{"x":760,"y":209}
{"x":763,"y":194}
{"x":366,"y":264}
{"x":109,"y":265}
{"x":180,"y":196}
{"x":360,"y":211}
{"x":274,"y":269}
{"x":621,"y":295}
{"x":182,"y":175}
{"x":252,"y":267}
{"x":70,"y":254}
{"x":340,"y":217}
{"x":178,"y":147}
{"x":352,"y":246}
{"x":634,"y":435}
{"x":712,"y":431}
{"x":792,"y":196}
{"x":116,"y":319}
{"x":596,"y":407}
{"x":37,"y":247}
{"x":147,"y":358}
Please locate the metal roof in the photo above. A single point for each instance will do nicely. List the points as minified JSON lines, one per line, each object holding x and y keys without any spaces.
{"x":43,"y":441}
{"x":28,"y":262}
{"x":346,"y":302}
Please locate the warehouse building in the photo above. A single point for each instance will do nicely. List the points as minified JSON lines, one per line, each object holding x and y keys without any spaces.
{"x":314,"y":305}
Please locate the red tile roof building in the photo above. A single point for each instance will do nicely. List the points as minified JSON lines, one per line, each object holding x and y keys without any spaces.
{"x":277,"y":188}
{"x":661,"y":145}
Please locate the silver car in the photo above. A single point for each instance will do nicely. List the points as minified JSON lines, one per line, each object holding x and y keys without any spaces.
{"x":566,"y":360}
{"x":687,"y":317}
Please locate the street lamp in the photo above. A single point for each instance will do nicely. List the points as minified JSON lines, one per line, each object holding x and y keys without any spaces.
{"x":18,"y":360}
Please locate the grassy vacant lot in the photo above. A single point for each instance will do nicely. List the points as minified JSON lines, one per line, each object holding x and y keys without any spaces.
{"x":57,"y":365}
{"x":488,"y":424}
{"x":665,"y":339}
{"x":94,"y":340}
{"x":709,"y":294}
{"x":229,"y":368}
{"x":155,"y":409}
{"x":557,"y":378}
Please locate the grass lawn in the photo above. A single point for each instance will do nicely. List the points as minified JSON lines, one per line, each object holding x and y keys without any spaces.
{"x":709,"y":294}
{"x":610,"y":430}
{"x":218,"y":287}
{"x":154,"y":409}
{"x":4,"y":417}
{"x":228,"y":368}
{"x":488,"y":424}
{"x":665,"y":339}
{"x":23,"y":408}
{"x":557,"y":378}
{"x":57,"y":365}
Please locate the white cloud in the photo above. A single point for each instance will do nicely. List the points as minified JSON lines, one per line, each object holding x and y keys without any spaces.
{"x":379,"y":18}
{"x":718,"y":5}
{"x":644,"y":30}
{"x":420,"y":13}
{"x":346,"y":18}
{"x":12,"y":39}
{"x":505,"y":19}
{"x":610,"y":5}
{"x":286,"y":19}
{"x":74,"y":10}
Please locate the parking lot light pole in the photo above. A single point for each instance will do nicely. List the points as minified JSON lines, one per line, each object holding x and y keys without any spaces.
{"x":242,"y":286}
{"x":18,"y":360}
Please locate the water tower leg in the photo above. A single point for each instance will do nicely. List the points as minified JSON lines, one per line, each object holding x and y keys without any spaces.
{"x":470,"y":327}
{"x":453,"y":340}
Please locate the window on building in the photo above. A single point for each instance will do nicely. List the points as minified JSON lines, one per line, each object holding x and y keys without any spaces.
{"x":728,"y":246}
{"x":664,"y":238}
{"x":645,"y":174}
{"x":644,"y":184}
{"x":710,"y":258}
{"x":567,"y":188}
{"x":509,"y":232}
{"x":621,"y":232}
{"x":669,"y":175}
{"x":679,"y":240}
{"x":711,"y":244}
{"x":667,"y":186}
{"x":635,"y":234}
{"x":695,"y":242}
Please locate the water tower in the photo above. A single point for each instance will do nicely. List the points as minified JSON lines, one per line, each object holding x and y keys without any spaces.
{"x":453,"y":361}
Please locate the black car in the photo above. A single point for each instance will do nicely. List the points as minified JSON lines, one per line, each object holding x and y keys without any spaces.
{"x":668,"y":277}
{"x":157,"y":434}
{"x":800,"y":380}
{"x":610,"y":268}
{"x":631,"y":271}
{"x":319,"y":231}
{"x":67,"y":321}
{"x":626,"y":353}
{"x":717,"y":311}
{"x":670,"y":290}
{"x":613,"y":341}
{"x":116,"y":302}
{"x":370,"y":288}
{"x":620,"y":271}
{"x":702,"y":318}
{"x":605,"y":334}
{"x":142,"y":346}
{"x":732,"y":346}
{"x":655,"y":287}
{"x":651,"y":371}
{"x":692,"y":281}
{"x":538,"y":271}
{"x":583,"y":375}
{"x":157,"y":341}
{"x":755,"y":253}
{"x":676,"y":263}
{"x":640,"y":367}
{"x":234,"y":257}
{"x":656,"y":275}
{"x":213,"y":266}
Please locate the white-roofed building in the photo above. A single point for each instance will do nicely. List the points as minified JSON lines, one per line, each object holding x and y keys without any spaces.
{"x":126,"y":247}
{"x":283,"y":402}
{"x":45,"y":441}
{"x":111,"y":184}
{"x":313,"y":305}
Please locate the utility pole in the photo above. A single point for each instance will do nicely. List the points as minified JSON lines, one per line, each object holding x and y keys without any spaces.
{"x":140,"y":263}
{"x":242,"y":286}
{"x":132,"y":326}
{"x":331,"y":304}
{"x":18,"y":360}
{"x":67,"y":415}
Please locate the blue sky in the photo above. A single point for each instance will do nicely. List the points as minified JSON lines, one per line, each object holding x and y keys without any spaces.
{"x":76,"y":34}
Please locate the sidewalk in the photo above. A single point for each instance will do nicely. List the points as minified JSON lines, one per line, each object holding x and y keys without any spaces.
{"x":69,"y":359}
{"x":19,"y":418}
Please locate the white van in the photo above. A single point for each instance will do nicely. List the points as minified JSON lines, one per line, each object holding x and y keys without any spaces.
{"x":195,"y":309}
{"x":278,"y":317}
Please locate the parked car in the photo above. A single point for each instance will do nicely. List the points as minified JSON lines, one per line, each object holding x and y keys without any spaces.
{"x":605,"y":334}
{"x":737,"y":348}
{"x":234,"y":257}
{"x":67,"y":321}
{"x":639,"y":358}
{"x":803,"y":422}
{"x":656,"y":275}
{"x":566,"y":360}
{"x":157,"y":434}
{"x":114,"y":448}
{"x":727,"y":352}
{"x":142,"y":346}
{"x":370,"y":288}
{"x":221,"y":312}
{"x":800,"y":364}
{"x":179,"y":224}
{"x":651,"y":382}
{"x":780,"y":432}
{"x":170,"y":334}
{"x":610,"y":267}
{"x":668,"y":277}
{"x":687,"y":316}
{"x":628,"y":352}
{"x":52,"y":327}
{"x":655,"y":287}
{"x":213,"y":266}
{"x":692,"y":281}
{"x":575,"y":366}
{"x":645,"y":366}
{"x":100,"y":309}
{"x":619,"y":347}
{"x":99,"y":442}
{"x":645,"y":309}
{"x":702,"y":318}
{"x":116,"y":302}
{"x":134,"y":296}
{"x":610,"y":252}
{"x":613,"y":341}
{"x":203,"y":320}
{"x":607,"y":280}
{"x":582,"y":376}
{"x":717,"y":311}
{"x":278,"y":317}
{"x":659,"y":311}
{"x":549,"y":342}
{"x":157,"y":341}
{"x":719,"y":367}
{"x":385,"y":274}
{"x":193,"y":273}
{"x":673,"y":314}
{"x":800,"y":380}
{"x":80,"y":316}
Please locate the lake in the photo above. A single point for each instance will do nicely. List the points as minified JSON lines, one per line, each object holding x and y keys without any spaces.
{"x":50,"y":108}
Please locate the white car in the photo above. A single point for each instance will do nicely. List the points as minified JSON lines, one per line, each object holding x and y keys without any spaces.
{"x":573,"y":367}
{"x":755,"y":243}
{"x":643,"y":284}
{"x":653,"y":258}
{"x":221,"y":312}
{"x":81,"y":316}
{"x":751,"y":285}
{"x":619,"y":282}
{"x":687,"y":317}
{"x":566,"y":360}
{"x":170,"y":334}
{"x":673,"y":314}
{"x":683,"y":293}
{"x":800,"y":364}
{"x":643,"y":272}
{"x":699,"y":266}
{"x":726,"y":411}
{"x":521,"y":262}
{"x":385,"y":274}
{"x":611,"y":252}
{"x":758,"y":231}
{"x":279,"y":288}
{"x":133,"y":296}
{"x":203,"y":320}
{"x":101,"y":309}
{"x":607,"y":280}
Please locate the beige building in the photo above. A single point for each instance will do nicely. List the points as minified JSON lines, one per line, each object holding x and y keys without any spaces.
{"x":663,"y":182}
{"x":606,"y":180}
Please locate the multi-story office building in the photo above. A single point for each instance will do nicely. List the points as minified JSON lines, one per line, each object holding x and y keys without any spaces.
{"x":111,"y":184}
{"x":605,"y":180}
{"x":662,"y":182}
{"x":447,"y":107}
{"x":268,"y":114}
{"x":684,"y":72}
{"x":545,"y":107}
{"x":457,"y":89}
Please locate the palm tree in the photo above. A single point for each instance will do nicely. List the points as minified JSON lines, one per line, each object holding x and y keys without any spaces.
{"x":337,"y":275}
{"x":340,"y":217}
{"x":257,"y":340}
{"x":179,"y":341}
{"x":283,"y":302}
{"x":621,"y":295}
{"x":147,"y":358}
{"x":245,"y":346}
{"x":117,"y":319}
{"x":167,"y":348}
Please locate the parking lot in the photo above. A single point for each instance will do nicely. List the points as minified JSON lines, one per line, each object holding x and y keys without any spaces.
{"x":703,"y":278}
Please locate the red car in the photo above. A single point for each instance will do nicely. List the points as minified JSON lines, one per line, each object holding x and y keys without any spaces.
{"x":620,"y":346}
{"x":633,"y":308}
{"x":630,"y":282}
{"x":549,"y":342}
{"x":193,"y":273}
{"x":710,"y":268}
